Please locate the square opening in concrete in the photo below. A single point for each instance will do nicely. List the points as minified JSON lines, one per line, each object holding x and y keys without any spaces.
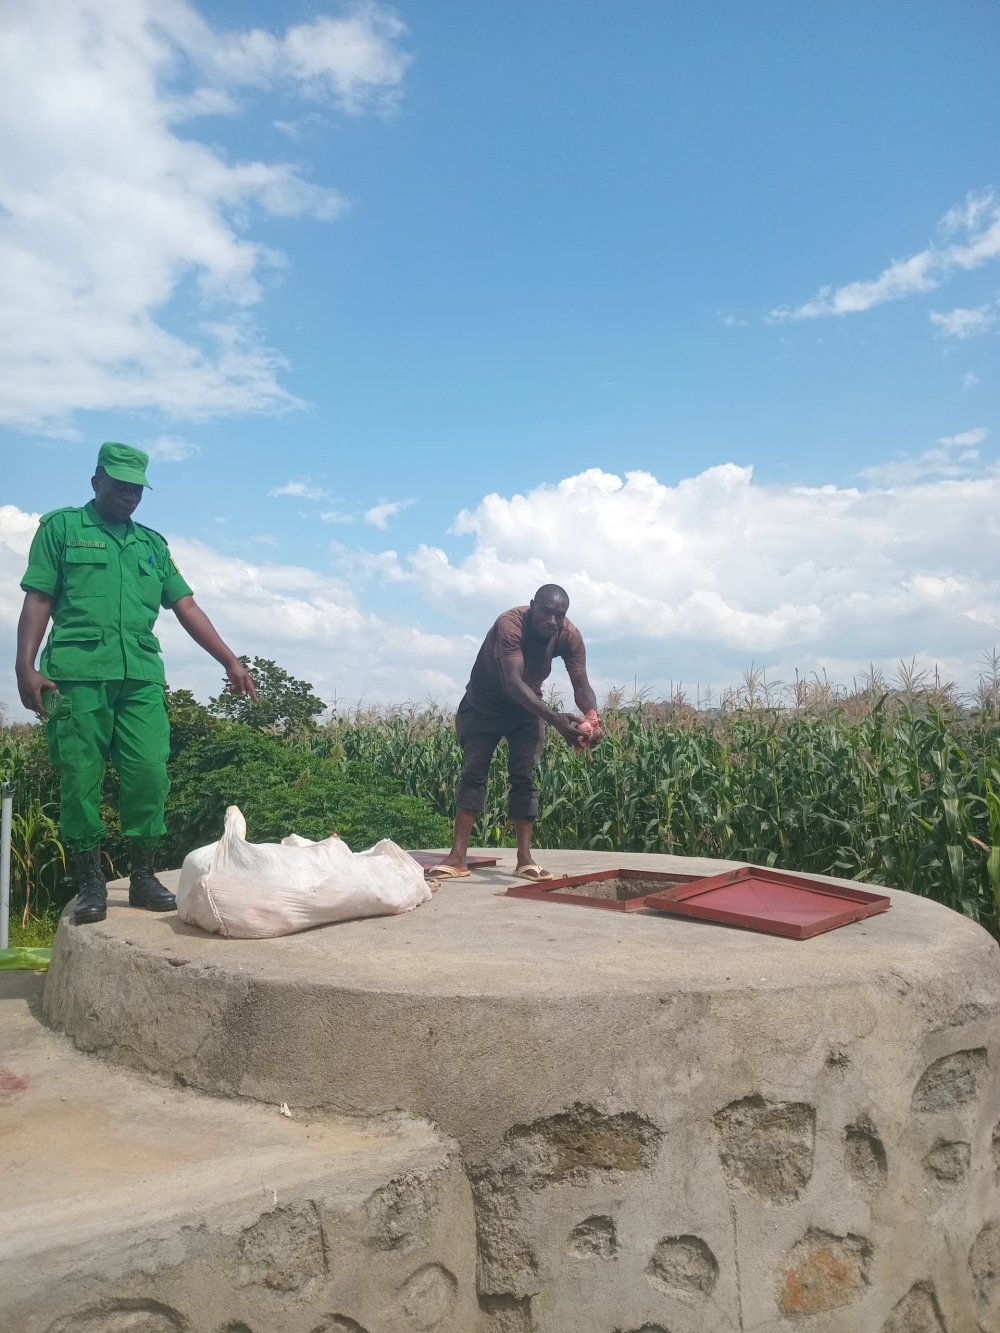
{"x":616,"y":890}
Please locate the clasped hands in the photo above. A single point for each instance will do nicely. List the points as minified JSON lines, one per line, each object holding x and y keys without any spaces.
{"x":581,"y":734}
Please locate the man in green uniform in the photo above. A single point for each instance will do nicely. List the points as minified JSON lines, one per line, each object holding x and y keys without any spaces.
{"x":102,"y":579}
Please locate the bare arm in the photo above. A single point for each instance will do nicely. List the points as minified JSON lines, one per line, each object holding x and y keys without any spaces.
{"x":512,"y":666}
{"x":206,"y":636}
{"x":583,"y":691}
{"x":586,"y":701}
{"x":30,"y":632}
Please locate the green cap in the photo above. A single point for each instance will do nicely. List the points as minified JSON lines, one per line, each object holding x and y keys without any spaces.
{"x":124,"y":463}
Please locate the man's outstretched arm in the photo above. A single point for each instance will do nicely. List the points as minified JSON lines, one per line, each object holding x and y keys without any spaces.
{"x":206,"y":636}
{"x":512,"y":666}
{"x":586,"y":699}
{"x":583,"y":691}
{"x":30,"y":632}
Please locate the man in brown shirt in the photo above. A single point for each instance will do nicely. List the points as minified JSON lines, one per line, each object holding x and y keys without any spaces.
{"x":504,"y":699}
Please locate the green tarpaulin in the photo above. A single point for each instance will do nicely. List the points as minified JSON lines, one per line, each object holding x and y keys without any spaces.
{"x":24,"y":960}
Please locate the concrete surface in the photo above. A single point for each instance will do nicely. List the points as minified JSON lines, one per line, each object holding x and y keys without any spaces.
{"x":668,"y":1126}
{"x":153,"y":1209}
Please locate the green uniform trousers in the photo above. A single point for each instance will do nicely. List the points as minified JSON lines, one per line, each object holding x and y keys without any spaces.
{"x":121,"y":720}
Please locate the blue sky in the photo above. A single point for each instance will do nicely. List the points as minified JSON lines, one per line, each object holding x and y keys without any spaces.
{"x":413,"y":257}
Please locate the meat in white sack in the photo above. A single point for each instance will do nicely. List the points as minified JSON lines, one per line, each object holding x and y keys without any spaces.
{"x":255,"y":890}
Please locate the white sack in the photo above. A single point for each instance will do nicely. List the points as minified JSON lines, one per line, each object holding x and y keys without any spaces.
{"x":253,"y":890}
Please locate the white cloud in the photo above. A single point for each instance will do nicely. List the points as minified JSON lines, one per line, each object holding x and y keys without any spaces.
{"x":379,"y":515}
{"x":689,"y":581}
{"x":964,"y":323}
{"x":353,"y":59}
{"x":970,"y":379}
{"x":722,"y":568}
{"x":333,"y":516}
{"x":302,"y":489}
{"x":977,"y":222}
{"x":296,"y":129}
{"x":108,"y":213}
{"x":966,"y":439}
{"x":954,"y":456}
{"x":309,"y":622}
{"x":16,"y":531}
{"x":314,"y":626}
{"x":169,"y":449}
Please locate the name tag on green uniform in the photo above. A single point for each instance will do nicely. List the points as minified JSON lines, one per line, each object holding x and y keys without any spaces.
{"x":100,"y":545}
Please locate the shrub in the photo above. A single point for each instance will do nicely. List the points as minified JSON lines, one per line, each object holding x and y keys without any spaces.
{"x":284,"y":790}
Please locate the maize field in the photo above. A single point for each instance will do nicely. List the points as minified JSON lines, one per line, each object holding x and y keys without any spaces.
{"x":898,"y":787}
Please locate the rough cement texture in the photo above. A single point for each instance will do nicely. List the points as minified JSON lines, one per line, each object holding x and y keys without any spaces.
{"x":135,"y":1208}
{"x":668,"y":1126}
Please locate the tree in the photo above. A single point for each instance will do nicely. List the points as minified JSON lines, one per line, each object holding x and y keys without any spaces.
{"x":286,"y":704}
{"x":190,"y":721}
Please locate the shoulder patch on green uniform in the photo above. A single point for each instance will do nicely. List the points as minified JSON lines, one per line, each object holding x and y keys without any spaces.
{"x":67,"y":509}
{"x":152,"y":532}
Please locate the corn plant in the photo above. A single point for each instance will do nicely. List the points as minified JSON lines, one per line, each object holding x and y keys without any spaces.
{"x":891,"y":787}
{"x":895,"y":784}
{"x":36,"y":852}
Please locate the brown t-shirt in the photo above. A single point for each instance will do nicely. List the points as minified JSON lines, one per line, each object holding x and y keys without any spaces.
{"x":486,"y":690}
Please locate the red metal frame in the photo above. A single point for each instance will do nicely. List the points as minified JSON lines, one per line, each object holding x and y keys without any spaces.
{"x":553,"y":890}
{"x":756,"y":898}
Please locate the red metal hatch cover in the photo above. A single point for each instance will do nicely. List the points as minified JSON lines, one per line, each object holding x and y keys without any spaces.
{"x":614,"y":890}
{"x":771,"y":901}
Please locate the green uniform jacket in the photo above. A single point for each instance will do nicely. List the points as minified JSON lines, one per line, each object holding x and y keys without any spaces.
{"x":106,"y":592}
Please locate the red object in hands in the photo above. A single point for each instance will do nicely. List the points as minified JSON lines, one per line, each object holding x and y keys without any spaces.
{"x":771,"y":901}
{"x":591,"y":732}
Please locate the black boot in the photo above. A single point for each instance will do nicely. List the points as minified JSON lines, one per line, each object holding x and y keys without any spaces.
{"x":144,"y":889}
{"x":91,"y":888}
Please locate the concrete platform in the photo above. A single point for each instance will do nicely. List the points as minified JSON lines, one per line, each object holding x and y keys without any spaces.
{"x":667,"y":1125}
{"x":130,"y":1206}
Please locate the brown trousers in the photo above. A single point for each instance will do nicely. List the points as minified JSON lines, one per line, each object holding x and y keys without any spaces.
{"x":479,"y":734}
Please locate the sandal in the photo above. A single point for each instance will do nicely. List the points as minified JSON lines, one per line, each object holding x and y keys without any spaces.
{"x":444,"y":872}
{"x":535,"y":873}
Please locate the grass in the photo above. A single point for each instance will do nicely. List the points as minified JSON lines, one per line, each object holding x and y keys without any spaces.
{"x":38,"y":934}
